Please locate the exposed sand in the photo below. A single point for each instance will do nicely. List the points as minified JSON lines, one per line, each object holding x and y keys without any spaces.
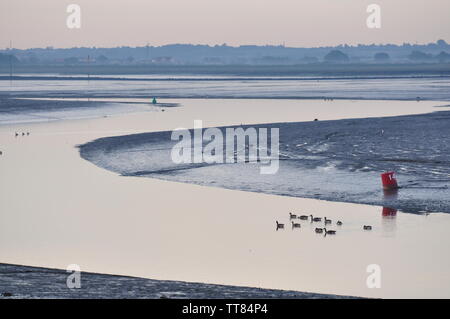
{"x":57,"y":209}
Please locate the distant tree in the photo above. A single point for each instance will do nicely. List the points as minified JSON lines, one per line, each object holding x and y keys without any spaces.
{"x":336,"y":56}
{"x":441,"y":43}
{"x":443,"y":57}
{"x":102,"y":59}
{"x":419,"y":56}
{"x":381,"y":57}
{"x":7,"y":58}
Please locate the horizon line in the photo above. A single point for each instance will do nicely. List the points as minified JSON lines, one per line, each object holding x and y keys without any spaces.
{"x":226,"y":45}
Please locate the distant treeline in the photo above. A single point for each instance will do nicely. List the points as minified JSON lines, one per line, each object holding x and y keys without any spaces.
{"x":188,"y":54}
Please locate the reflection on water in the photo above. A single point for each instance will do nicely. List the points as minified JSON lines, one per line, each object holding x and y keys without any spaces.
{"x":389,"y":220}
{"x":390,"y":194}
{"x":389,"y":212}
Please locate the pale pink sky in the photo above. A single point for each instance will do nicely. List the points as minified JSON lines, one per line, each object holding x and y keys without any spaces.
{"x":107,"y":23}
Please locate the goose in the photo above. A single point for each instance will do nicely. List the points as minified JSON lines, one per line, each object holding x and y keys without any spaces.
{"x":279,"y":226}
{"x":339,"y":223}
{"x":367,"y":227}
{"x":329,"y":232}
{"x":327,"y":221}
{"x":303,"y":217}
{"x":315,"y":219}
{"x":296,"y":225}
{"x":292,"y":216}
{"x":319,"y":230}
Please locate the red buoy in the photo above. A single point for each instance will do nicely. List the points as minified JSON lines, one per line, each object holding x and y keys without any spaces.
{"x":389,"y":181}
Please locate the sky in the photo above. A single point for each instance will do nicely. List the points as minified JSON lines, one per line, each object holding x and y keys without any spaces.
{"x":294,"y":23}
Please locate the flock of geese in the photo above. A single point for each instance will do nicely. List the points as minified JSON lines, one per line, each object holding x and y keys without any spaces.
{"x":312,"y":219}
{"x":16,"y":135}
{"x":23,"y":134}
